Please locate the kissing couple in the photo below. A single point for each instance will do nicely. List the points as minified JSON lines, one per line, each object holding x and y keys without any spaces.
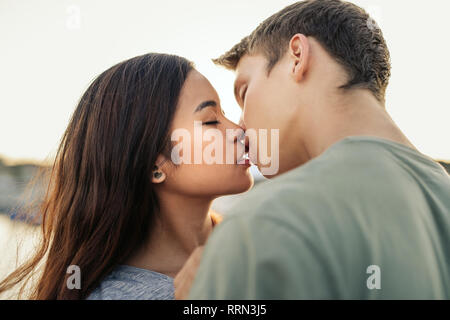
{"x":352,"y":210}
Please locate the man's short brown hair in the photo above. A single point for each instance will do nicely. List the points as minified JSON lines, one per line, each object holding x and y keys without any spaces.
{"x":345,"y":30}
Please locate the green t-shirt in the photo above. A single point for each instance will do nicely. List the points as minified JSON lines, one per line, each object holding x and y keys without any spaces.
{"x":367,"y":219}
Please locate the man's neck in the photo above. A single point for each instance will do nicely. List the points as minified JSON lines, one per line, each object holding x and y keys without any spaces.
{"x":356,"y":114}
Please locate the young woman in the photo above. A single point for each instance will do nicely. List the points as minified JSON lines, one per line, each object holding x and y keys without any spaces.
{"x":117,"y":206}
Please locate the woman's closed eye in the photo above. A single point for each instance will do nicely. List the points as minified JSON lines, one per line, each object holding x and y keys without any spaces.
{"x":210,"y":123}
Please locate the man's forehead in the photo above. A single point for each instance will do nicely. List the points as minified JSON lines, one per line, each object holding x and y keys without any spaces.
{"x":249,"y":63}
{"x":243,"y":64}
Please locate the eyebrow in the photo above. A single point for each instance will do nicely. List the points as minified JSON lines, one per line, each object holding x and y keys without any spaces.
{"x":205,"y":104}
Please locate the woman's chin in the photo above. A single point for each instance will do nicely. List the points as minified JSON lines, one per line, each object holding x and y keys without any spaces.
{"x":242,"y":183}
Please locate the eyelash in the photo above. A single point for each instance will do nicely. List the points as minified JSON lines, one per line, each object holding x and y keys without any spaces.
{"x":210,"y":123}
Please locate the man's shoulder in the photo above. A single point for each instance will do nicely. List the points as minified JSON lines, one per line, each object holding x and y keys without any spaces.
{"x":297,"y":190}
{"x":284,"y":204}
{"x":351,"y":170}
{"x":325,"y":192}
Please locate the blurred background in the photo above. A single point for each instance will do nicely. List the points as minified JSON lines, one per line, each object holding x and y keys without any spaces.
{"x":52,"y":50}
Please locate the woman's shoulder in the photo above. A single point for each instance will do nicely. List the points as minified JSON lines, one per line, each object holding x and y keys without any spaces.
{"x":131,"y":283}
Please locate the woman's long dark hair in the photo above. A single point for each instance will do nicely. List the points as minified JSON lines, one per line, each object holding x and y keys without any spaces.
{"x":100,"y":201}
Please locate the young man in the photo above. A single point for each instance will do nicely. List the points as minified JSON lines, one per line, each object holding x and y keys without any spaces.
{"x":356,"y":211}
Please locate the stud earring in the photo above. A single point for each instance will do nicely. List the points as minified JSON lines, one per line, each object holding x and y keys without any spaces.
{"x":157,"y":175}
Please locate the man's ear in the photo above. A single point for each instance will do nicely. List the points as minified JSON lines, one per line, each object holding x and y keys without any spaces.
{"x":299,"y":52}
{"x":158,"y":175}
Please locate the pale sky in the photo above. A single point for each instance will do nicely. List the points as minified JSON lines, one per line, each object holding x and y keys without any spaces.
{"x":48,"y":56}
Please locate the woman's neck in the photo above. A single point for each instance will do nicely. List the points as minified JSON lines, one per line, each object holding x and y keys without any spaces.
{"x":182,"y":224}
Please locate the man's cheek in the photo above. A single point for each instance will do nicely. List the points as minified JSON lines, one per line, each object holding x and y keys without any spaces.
{"x":251,"y":116}
{"x":254,"y":113}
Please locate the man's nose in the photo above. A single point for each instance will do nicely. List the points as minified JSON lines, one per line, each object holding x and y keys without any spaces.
{"x":239,"y":136}
{"x":245,"y":139}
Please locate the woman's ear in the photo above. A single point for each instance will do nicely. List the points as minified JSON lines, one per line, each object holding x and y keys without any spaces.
{"x":299,"y":52}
